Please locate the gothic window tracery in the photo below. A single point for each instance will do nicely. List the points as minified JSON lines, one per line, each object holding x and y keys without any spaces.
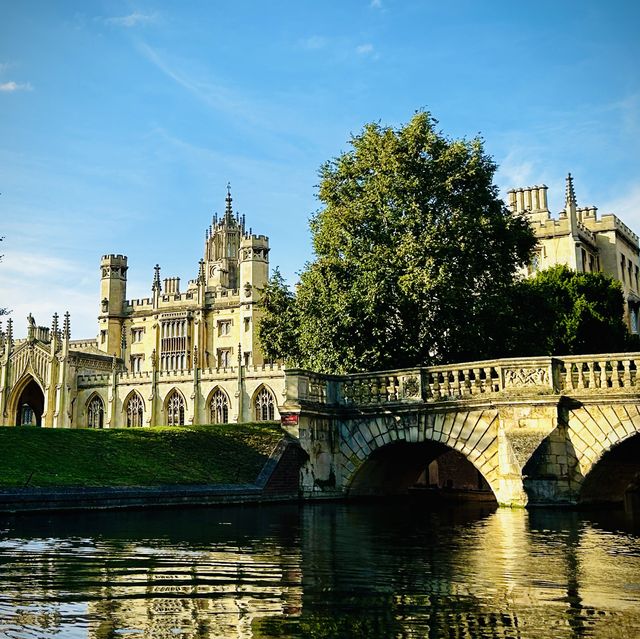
{"x":135,"y":411}
{"x":95,"y":413}
{"x":219,"y":408}
{"x":173,"y":340}
{"x":175,"y":409}
{"x":264,"y":405}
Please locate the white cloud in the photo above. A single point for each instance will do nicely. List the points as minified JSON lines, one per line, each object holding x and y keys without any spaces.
{"x":364,"y":49}
{"x":314,"y":42}
{"x":376,"y":4}
{"x":4,"y":66}
{"x":132,"y":20}
{"x":11,"y":86}
{"x":42,"y":285}
{"x":515,"y":172}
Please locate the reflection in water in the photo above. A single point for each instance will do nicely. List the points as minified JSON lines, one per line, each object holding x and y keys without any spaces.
{"x":322,"y":570}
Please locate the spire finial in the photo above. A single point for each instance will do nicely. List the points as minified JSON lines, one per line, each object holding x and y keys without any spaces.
{"x":66,"y":326}
{"x":228,"y":199}
{"x":156,"y":286}
{"x":570,"y":195}
{"x":201,"y":278}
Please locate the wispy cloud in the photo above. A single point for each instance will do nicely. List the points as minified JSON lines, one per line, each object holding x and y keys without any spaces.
{"x":314,"y":42}
{"x":365,"y":49}
{"x":376,"y":4}
{"x":514,"y":171}
{"x":4,"y":66}
{"x":132,"y":20}
{"x":213,"y":94}
{"x":29,"y":286}
{"x":626,"y":206}
{"x":10,"y":87}
{"x":217,"y":96}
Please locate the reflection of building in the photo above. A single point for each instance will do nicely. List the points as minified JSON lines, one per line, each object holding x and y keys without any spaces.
{"x":191,"y":594}
{"x":176,"y":357}
{"x":582,"y":241}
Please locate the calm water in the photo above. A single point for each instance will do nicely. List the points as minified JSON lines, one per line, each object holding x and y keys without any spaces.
{"x":330,"y":570}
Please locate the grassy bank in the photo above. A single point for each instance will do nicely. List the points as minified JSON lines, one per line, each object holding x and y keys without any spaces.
{"x":218,"y":454}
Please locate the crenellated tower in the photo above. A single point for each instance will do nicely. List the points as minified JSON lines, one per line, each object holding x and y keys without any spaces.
{"x":113,"y":293}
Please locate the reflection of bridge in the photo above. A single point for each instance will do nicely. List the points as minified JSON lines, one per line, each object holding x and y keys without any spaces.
{"x":537,"y":430}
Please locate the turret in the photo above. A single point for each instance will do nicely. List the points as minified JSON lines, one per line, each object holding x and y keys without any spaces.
{"x":254,"y":273}
{"x":113,"y":292}
{"x":254,"y":265}
{"x":222,"y":248}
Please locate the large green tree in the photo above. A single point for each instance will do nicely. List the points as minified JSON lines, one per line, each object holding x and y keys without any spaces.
{"x":413,"y":251}
{"x":279,"y":333}
{"x":561,"y":312}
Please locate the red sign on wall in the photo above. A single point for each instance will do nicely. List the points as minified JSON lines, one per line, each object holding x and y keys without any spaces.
{"x":289,"y":419}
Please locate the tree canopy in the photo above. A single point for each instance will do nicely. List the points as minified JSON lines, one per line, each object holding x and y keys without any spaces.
{"x":414,"y":250}
{"x":560,"y":312}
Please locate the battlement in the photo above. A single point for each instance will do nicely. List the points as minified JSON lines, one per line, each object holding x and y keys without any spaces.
{"x":113,"y":260}
{"x":133,"y":303}
{"x":249,"y":239}
{"x":611,"y":222}
{"x":550,"y":227}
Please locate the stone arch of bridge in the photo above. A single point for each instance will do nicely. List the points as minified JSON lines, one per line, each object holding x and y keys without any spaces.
{"x":605,"y":439}
{"x":390,"y":452}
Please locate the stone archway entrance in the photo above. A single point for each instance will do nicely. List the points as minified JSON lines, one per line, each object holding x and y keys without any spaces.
{"x":30,"y":405}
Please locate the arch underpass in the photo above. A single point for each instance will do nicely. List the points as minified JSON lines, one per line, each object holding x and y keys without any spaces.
{"x":613,"y":474}
{"x":401,"y":468}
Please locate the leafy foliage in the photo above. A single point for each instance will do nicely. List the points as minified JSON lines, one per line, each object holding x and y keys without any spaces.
{"x":413,"y":252}
{"x":278,"y":336}
{"x":561,"y":312}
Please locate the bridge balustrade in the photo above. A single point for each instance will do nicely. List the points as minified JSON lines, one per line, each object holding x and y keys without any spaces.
{"x":468,"y":380}
{"x":590,"y":372}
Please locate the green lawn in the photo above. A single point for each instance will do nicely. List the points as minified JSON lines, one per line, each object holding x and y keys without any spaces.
{"x":218,"y":454}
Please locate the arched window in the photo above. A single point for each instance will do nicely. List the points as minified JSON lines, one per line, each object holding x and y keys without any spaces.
{"x":175,"y":409}
{"x":219,"y":408}
{"x":264,"y":405}
{"x":135,"y":411}
{"x":95,"y":413}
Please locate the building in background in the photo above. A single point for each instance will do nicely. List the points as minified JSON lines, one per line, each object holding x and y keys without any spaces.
{"x":174,"y":358}
{"x":582,"y":241}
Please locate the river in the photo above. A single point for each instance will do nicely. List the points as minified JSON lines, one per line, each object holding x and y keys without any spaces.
{"x":375,"y":569}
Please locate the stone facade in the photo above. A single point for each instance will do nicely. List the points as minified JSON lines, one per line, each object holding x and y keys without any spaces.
{"x":582,"y":241}
{"x":176,"y":357}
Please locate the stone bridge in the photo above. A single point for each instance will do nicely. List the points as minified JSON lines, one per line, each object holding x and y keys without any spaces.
{"x":530,"y":430}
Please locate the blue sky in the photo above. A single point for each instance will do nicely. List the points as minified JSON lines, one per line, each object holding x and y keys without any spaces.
{"x":122,"y":122}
